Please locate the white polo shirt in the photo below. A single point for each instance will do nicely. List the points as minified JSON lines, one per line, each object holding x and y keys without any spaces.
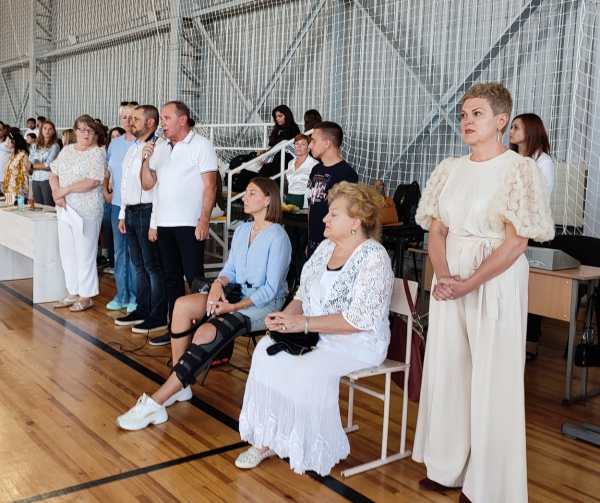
{"x":179,"y":192}
{"x":131,"y":184}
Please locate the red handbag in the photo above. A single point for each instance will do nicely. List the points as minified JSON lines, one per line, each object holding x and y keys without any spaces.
{"x":397,"y":349}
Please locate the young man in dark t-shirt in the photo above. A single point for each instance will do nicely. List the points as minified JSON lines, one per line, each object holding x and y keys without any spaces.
{"x":325,"y":143}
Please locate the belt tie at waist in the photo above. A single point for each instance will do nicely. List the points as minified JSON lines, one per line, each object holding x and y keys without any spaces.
{"x":491,"y":290}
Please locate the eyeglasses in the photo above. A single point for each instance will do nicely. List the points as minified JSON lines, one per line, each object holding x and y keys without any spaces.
{"x":83,"y":131}
{"x":133,"y":103}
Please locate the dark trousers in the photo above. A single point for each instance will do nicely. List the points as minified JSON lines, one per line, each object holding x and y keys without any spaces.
{"x":182,"y":255}
{"x":108,"y":234}
{"x":534,"y":327}
{"x":42,"y":193}
{"x":149,"y":276}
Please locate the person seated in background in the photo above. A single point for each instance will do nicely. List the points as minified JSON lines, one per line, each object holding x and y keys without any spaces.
{"x":297,"y":176}
{"x":324,"y":145}
{"x":528,"y":137}
{"x":39,"y":122}
{"x":291,"y":404}
{"x":30,"y":138}
{"x":15,"y":176}
{"x":258,"y":262}
{"x":312,"y":117}
{"x":285,"y":128}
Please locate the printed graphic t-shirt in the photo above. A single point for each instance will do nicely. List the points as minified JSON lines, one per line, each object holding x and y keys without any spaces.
{"x":322,"y":179}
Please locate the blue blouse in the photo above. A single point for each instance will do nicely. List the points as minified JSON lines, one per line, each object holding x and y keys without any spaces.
{"x":264,"y":264}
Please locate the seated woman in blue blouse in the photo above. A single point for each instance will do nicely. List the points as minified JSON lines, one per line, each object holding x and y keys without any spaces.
{"x":259,"y":261}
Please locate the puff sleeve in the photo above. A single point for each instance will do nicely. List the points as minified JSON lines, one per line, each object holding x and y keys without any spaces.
{"x":523,"y":200}
{"x":429,"y":204}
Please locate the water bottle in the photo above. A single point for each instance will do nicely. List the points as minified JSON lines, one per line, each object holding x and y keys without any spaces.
{"x":21,"y":201}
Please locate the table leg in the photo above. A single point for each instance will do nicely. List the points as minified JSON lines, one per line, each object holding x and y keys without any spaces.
{"x":571,"y":343}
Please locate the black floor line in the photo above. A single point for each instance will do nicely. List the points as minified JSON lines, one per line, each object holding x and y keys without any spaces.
{"x":131,"y":473}
{"x":330,"y":482}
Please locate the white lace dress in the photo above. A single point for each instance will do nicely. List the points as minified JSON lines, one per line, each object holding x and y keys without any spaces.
{"x":291,"y":402}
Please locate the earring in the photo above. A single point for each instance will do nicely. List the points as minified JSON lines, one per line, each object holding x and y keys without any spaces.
{"x":353,"y":231}
{"x":266,"y":205}
{"x":499,"y":136}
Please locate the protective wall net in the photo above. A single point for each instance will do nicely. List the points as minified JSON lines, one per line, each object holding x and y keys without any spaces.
{"x":390,"y":72}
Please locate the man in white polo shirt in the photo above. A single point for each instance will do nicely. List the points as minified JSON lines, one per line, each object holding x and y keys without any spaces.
{"x":184,"y":170}
{"x":137,"y":220}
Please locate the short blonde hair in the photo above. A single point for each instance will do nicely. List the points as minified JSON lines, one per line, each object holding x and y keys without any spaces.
{"x":364,"y":203}
{"x":495,"y":94}
{"x":129,"y":107}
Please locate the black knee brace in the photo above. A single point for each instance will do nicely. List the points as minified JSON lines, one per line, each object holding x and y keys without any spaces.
{"x":196,"y":357}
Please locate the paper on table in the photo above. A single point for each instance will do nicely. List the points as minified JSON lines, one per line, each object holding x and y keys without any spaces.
{"x":73,"y":219}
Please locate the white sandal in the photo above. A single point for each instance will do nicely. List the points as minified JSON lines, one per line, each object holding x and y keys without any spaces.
{"x":252,"y":458}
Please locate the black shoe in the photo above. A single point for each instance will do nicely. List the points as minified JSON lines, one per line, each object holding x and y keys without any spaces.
{"x":150,"y":326}
{"x":131,"y":319}
{"x":161,"y":340}
{"x":101,"y":261}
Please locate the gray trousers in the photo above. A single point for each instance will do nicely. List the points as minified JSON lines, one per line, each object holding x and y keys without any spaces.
{"x":42,"y":193}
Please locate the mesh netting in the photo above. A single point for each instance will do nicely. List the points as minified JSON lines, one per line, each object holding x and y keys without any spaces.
{"x":390,"y":72}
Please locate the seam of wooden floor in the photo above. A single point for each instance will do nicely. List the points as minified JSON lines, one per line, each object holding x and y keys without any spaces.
{"x":331,"y":483}
{"x":131,"y":473}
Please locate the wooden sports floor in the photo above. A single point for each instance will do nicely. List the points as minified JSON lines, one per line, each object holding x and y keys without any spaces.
{"x":61,"y":390}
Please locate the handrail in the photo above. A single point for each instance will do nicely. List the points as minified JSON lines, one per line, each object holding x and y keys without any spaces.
{"x":277,"y":148}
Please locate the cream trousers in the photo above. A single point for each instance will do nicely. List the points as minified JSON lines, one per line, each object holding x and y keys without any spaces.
{"x":471,"y":424}
{"x":78,"y":255}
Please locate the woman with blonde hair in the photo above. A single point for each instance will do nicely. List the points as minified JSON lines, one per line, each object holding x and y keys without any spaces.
{"x":480,"y":211}
{"x":291,"y":402}
{"x":68,"y":137}
{"x":76,"y":178}
{"x":41,"y":154}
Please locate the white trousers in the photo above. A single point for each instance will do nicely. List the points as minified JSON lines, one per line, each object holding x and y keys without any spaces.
{"x":78,"y":255}
{"x":471,"y":424}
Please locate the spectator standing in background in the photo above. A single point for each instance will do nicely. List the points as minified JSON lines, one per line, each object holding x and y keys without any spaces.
{"x":5,"y":151}
{"x":41,"y":154}
{"x":31,"y":127}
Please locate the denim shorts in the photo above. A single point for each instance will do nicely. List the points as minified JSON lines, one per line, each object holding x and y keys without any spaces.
{"x":257,"y":315}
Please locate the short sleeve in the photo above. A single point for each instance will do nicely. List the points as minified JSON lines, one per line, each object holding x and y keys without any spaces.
{"x":371,"y":292}
{"x":56,"y":162}
{"x":429,"y":208}
{"x":98,"y":165}
{"x":523,"y":201}
{"x":207,"y":158}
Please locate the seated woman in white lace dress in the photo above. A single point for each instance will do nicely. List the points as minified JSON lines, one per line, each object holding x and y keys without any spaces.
{"x":291,"y":402}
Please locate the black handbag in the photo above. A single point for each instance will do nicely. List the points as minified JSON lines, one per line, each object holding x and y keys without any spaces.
{"x":233,"y":291}
{"x":406,"y":198}
{"x":295,"y":344}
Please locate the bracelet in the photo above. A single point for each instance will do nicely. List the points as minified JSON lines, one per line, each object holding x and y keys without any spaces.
{"x":244,"y":303}
{"x":306,"y":324}
{"x":218,"y":280}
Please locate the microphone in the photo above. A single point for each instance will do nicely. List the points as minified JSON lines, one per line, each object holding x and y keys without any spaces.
{"x":157,"y":134}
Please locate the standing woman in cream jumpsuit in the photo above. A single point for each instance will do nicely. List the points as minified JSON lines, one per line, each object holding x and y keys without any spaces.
{"x":480,"y":211}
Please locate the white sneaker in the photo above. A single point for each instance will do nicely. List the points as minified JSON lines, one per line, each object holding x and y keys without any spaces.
{"x":252,"y":458}
{"x":146,"y":411}
{"x":182,"y":395}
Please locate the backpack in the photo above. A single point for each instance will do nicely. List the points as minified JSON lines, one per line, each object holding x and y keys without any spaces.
{"x":406,"y":198}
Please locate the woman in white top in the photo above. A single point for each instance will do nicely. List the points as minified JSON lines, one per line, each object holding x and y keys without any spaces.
{"x":297,"y":176}
{"x":41,"y":154}
{"x":77,"y":174}
{"x":528,"y":137}
{"x":480,"y":210}
{"x":291,"y":402}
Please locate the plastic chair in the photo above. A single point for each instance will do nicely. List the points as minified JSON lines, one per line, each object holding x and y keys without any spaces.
{"x":399,"y":306}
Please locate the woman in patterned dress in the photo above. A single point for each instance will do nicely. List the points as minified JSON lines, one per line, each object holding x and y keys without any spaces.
{"x":15,"y":176}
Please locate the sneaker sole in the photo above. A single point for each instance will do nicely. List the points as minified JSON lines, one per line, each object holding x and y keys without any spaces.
{"x":149,"y":330}
{"x":159,"y":343}
{"x":168,"y":403}
{"x":128,"y":323}
{"x":156,"y":421}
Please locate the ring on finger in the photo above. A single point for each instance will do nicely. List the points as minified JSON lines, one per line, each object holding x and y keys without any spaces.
{"x":282,"y":327}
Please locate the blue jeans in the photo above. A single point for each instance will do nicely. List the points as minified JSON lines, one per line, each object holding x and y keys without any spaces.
{"x":108,"y":234}
{"x":145,"y":255}
{"x":124,"y":270}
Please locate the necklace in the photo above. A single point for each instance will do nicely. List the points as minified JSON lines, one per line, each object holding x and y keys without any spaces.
{"x":258,"y":230}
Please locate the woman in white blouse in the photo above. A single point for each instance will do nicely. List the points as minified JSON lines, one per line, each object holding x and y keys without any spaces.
{"x":291,"y":402}
{"x":480,"y":210}
{"x":528,"y":137}
{"x":77,"y":175}
{"x":297,"y":176}
{"x":41,"y":154}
